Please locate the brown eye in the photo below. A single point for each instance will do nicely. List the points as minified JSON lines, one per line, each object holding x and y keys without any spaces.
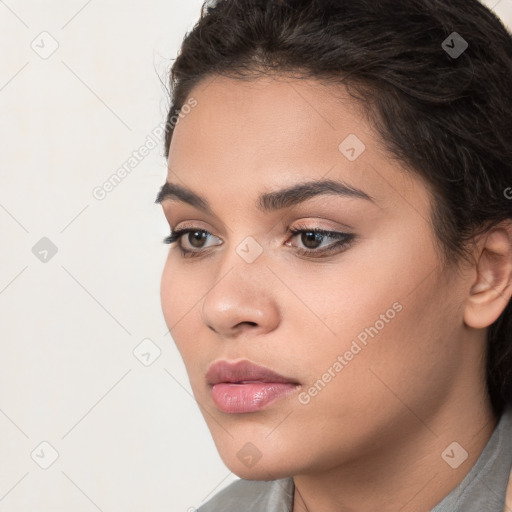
{"x":195,"y":238}
{"x":312,"y":239}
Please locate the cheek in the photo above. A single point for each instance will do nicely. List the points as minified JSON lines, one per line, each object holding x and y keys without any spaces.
{"x":380,"y":307}
{"x":178,"y":294}
{"x":361,"y":290}
{"x":182,"y":291}
{"x":168,"y":288}
{"x":400,"y":358}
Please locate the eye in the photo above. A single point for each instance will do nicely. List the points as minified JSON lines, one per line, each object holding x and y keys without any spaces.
{"x":313,"y":237}
{"x":310,"y":237}
{"x":196,"y":241}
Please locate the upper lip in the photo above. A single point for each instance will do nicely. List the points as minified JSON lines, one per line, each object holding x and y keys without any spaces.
{"x":242,"y":371}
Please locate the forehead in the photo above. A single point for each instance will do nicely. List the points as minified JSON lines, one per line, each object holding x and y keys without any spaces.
{"x":271,"y":133}
{"x":272,"y":110}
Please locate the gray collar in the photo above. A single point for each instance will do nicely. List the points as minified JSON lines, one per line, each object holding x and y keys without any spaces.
{"x":484,"y":487}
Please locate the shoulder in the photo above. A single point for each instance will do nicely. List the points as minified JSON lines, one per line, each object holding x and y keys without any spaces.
{"x":252,"y":496}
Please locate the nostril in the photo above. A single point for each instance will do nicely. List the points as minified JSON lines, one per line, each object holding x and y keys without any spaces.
{"x":247,"y":323}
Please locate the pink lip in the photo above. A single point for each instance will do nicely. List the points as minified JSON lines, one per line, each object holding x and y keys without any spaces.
{"x":246,"y":387}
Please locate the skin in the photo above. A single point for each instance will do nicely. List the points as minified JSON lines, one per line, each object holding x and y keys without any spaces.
{"x":372,"y":438}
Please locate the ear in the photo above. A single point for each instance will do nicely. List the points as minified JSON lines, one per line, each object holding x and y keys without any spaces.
{"x":492,"y":287}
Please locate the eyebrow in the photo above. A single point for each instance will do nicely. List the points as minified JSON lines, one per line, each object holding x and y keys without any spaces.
{"x":269,"y":201}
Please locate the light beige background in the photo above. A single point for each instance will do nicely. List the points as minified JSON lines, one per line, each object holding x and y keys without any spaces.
{"x":119,"y":416}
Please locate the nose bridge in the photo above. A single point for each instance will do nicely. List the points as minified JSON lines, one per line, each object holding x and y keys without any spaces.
{"x":242,"y":291}
{"x":246,"y":252}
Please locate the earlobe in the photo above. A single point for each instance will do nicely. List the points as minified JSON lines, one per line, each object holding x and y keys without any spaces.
{"x":492,"y":288}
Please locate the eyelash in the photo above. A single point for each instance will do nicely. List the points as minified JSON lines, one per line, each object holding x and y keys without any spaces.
{"x":343,"y":241}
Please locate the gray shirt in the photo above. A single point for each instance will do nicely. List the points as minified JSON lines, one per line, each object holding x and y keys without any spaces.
{"x":483,"y":489}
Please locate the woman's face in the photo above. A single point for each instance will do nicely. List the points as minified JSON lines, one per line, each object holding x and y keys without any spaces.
{"x":366,"y":334}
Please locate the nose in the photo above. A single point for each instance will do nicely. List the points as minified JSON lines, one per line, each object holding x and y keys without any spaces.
{"x":242,"y":300}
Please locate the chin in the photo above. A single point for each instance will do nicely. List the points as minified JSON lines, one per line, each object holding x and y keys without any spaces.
{"x":273,"y":468}
{"x":262,"y":473}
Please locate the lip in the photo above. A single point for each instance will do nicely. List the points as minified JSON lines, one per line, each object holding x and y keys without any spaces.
{"x":243,"y":371}
{"x":242,"y":386}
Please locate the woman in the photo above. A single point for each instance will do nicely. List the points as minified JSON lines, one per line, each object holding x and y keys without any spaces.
{"x":340,"y":277}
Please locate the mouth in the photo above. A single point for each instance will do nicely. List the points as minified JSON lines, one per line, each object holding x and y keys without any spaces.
{"x":243,"y":387}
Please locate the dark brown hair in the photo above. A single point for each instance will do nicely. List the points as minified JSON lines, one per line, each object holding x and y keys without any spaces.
{"x":448,"y":117}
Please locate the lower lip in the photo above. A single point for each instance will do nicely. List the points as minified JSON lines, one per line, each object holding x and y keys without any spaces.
{"x":248,"y":397}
